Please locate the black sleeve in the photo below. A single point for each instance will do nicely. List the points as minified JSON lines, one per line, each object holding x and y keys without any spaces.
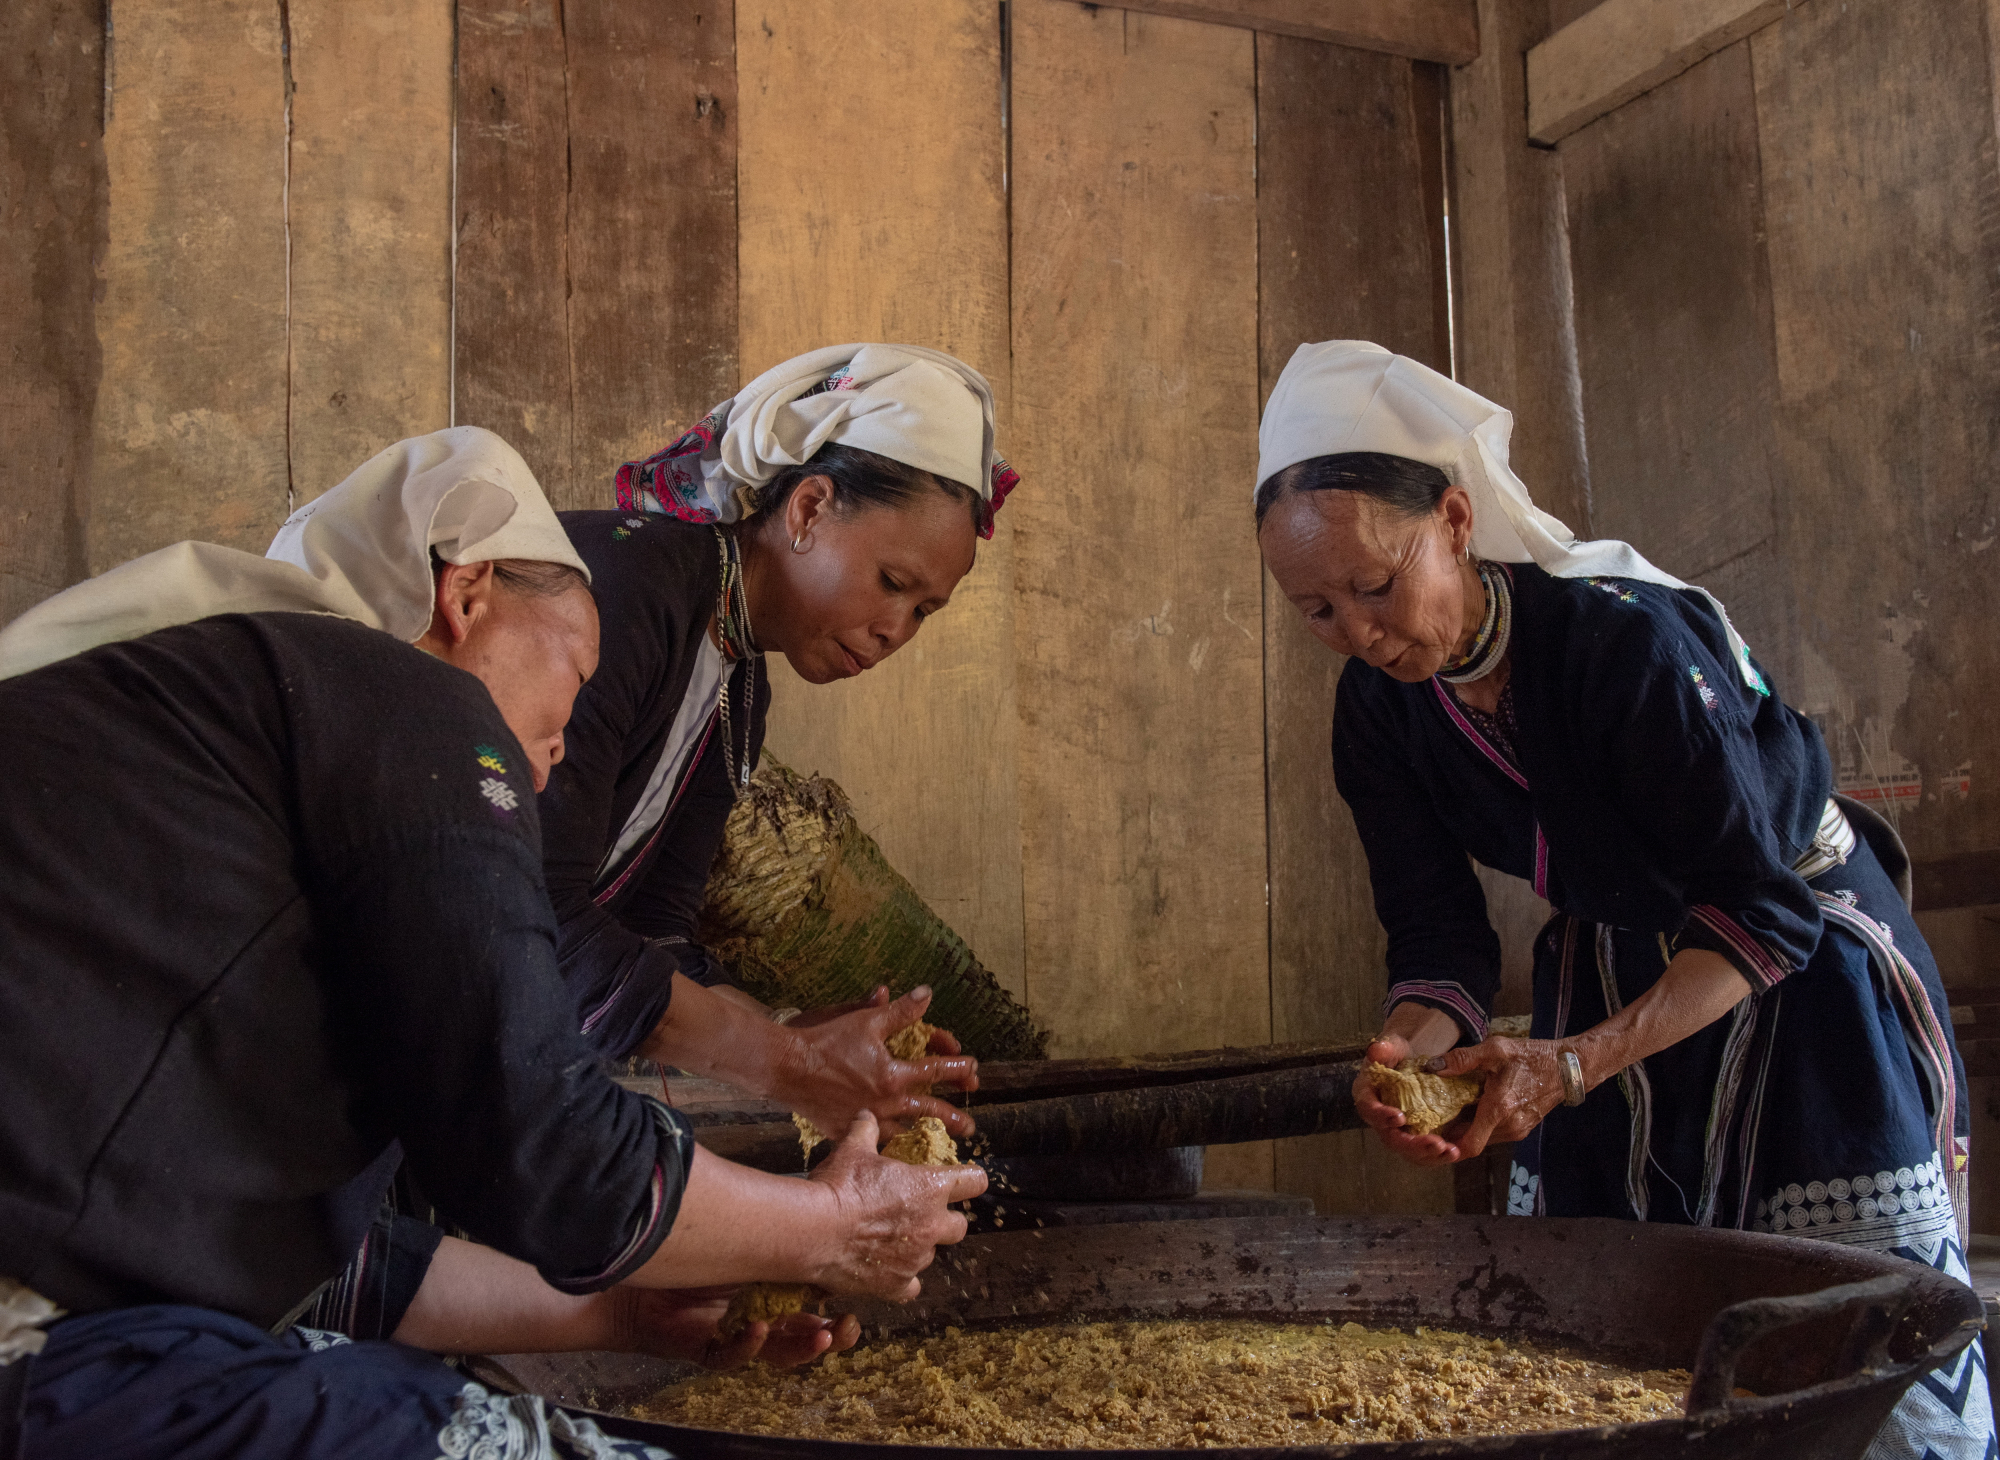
{"x":434,"y":945}
{"x":1674,"y":725}
{"x":1443,"y":951}
{"x":466,"y":1050}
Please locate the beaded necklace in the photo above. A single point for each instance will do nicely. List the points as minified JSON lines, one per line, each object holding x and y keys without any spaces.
{"x":738,"y":643}
{"x":1489,"y":645}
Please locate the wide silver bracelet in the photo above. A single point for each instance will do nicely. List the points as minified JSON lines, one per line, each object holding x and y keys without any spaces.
{"x":1572,"y":1073}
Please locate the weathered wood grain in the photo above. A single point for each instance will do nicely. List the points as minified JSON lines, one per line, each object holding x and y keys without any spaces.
{"x":853,"y":229}
{"x":511,"y":326}
{"x":52,"y":186}
{"x":1425,"y":30}
{"x":1881,"y":197}
{"x":1349,"y":246}
{"x":1140,"y":625}
{"x":1674,"y":338}
{"x":1621,"y":49}
{"x":1516,"y":335}
{"x":652,"y":226}
{"x":188,"y":439}
{"x":370,"y":230}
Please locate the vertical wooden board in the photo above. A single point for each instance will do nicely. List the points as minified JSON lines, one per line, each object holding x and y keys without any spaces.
{"x":370,"y":230}
{"x":1673,"y":321}
{"x":1516,"y":329}
{"x":189,"y":435}
{"x":51,"y":237}
{"x":510,"y":308}
{"x":1349,"y":246}
{"x":1140,"y":627}
{"x":1880,"y":196}
{"x":652,"y":226}
{"x":876,"y":209}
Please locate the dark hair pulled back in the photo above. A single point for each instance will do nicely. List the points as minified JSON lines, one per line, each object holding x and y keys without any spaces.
{"x":864,"y":479}
{"x":1411,"y":488}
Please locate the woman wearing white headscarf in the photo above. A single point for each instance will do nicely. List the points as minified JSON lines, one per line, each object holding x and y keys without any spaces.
{"x":1736,"y":1021}
{"x":271,"y":926}
{"x":822,"y":513}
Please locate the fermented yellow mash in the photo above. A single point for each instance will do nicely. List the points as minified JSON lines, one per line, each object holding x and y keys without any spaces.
{"x":1174,"y":1384}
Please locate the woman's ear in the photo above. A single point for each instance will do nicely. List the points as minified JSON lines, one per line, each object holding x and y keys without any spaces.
{"x":808,"y":507}
{"x":1455,"y":509}
{"x":464,"y":597}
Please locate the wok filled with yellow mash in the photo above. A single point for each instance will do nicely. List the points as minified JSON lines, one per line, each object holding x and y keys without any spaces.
{"x":1371,"y":1336}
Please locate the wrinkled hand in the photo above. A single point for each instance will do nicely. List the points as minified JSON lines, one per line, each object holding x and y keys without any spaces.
{"x":680,"y":1323}
{"x":890,"y":1218}
{"x":839,"y":1065}
{"x":943,"y":1041}
{"x":1388,"y":1121}
{"x":1523,"y":1084}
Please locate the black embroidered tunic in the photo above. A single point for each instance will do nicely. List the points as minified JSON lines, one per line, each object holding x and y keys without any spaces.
{"x":271,"y":915}
{"x":1660,"y":802}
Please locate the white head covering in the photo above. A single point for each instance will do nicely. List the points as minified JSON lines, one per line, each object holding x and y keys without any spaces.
{"x":1349,"y":395}
{"x":361,"y":551}
{"x":921,"y":407}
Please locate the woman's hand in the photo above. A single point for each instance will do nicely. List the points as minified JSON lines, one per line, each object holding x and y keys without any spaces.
{"x":680,"y":1323}
{"x":942,"y":1041}
{"x":1523,"y":1084}
{"x":1412,"y":1031}
{"x":888,"y":1218}
{"x":838,"y":1065}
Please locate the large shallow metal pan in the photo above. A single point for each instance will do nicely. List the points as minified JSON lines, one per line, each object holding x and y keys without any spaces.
{"x":1828,"y":1367}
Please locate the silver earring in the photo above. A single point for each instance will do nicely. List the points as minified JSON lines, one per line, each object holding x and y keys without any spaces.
{"x":1466,"y":555}
{"x":804,"y":537}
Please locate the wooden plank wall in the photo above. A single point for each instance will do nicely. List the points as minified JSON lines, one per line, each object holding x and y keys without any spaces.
{"x":1139,"y":629}
{"x":190,"y":431}
{"x":52,"y":224}
{"x":370,"y":223}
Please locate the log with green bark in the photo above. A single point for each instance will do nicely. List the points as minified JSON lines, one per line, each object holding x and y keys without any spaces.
{"x":805,"y":911}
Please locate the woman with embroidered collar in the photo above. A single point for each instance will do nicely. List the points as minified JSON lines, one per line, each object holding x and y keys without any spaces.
{"x":1736,"y":1021}
{"x":823,"y":513}
{"x":271,"y":927}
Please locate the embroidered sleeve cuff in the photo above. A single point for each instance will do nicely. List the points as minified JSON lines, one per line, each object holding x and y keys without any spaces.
{"x":368,"y":1301}
{"x":1718,"y":932}
{"x":1452,"y":998}
{"x":656,"y":1218}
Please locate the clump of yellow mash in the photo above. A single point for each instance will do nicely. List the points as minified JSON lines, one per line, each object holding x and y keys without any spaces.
{"x":908,"y":1043}
{"x":927,"y":1143}
{"x":1428,"y":1102}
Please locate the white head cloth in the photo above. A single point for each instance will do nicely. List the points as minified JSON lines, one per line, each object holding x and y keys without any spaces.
{"x":361,"y":551}
{"x":921,"y":407}
{"x":1349,"y":395}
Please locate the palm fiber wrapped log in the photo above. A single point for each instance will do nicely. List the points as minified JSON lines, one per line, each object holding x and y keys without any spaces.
{"x":804,"y":910}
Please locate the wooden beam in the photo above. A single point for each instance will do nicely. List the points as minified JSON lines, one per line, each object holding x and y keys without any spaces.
{"x":189,"y":435}
{"x":370,"y":217}
{"x":1624,"y":48}
{"x":51,"y":238}
{"x":1424,"y":30}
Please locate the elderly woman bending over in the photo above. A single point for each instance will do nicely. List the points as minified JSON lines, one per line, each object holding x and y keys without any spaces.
{"x":1736,"y":1022}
